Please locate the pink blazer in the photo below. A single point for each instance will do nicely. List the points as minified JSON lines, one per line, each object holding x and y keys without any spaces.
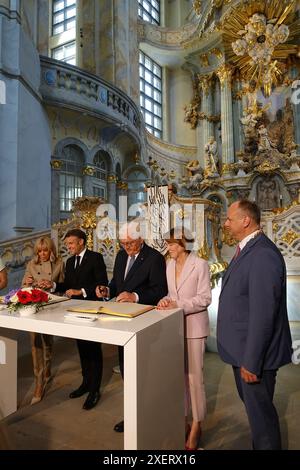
{"x":192,"y":294}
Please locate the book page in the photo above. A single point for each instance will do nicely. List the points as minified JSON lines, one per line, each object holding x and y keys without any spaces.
{"x":126,"y":309}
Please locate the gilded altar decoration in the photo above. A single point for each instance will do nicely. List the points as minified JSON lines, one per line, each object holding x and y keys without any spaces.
{"x":259,"y":38}
{"x":290,"y":236}
{"x":197,"y":6}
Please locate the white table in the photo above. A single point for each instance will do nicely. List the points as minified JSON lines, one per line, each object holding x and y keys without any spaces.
{"x":153,"y":367}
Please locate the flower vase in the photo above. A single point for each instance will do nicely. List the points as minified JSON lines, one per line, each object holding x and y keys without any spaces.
{"x":27,"y":310}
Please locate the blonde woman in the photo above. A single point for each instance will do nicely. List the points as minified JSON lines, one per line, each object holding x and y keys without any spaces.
{"x":45,"y":266}
{"x":189,"y":289}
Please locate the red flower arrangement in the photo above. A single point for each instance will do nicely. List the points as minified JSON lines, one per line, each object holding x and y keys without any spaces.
{"x":19,"y":298}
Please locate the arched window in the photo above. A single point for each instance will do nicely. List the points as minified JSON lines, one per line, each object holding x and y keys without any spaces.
{"x":70,"y":178}
{"x":136,"y":185}
{"x":100,"y":176}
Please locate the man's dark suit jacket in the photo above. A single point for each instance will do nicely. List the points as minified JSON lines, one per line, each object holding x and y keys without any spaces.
{"x":147,"y":277}
{"x":252,"y":327}
{"x":90,"y":274}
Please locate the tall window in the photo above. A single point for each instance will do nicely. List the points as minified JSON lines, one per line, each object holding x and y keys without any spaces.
{"x":66,"y":53}
{"x":63,"y":16}
{"x":150,"y":94}
{"x":100,"y":177}
{"x":70,"y":178}
{"x":149,"y":10}
{"x":136,"y":187}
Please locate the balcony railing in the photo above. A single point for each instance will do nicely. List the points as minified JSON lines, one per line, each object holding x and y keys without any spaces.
{"x":66,"y":85}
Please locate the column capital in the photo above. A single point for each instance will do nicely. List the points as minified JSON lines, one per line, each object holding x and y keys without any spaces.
{"x":205,"y":82}
{"x":225,"y":74}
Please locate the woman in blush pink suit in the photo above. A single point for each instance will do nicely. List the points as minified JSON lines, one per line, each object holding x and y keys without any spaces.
{"x":189,"y":288}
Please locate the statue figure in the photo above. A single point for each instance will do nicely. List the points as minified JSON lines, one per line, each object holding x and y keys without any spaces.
{"x":191,"y":112}
{"x":212,"y":158}
{"x":264,"y":143}
{"x":195,"y":173}
{"x":268,"y":194}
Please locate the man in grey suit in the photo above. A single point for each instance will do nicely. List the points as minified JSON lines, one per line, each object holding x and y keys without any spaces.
{"x":253,"y":332}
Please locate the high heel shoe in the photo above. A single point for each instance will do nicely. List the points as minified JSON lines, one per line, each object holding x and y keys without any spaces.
{"x":38,"y":394}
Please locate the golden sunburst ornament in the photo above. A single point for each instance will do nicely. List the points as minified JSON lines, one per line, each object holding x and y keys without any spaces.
{"x":259,"y":36}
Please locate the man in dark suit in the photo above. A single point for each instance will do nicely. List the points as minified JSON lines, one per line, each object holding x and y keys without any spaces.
{"x":84,"y":271}
{"x":139,"y":276}
{"x":253,"y":331}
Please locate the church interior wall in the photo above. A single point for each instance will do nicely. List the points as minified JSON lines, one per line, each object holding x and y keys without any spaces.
{"x":179,"y":93}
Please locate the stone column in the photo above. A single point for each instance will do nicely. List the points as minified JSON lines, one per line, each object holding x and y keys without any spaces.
{"x":224,"y":73}
{"x":112,"y":190}
{"x":296,"y":109}
{"x":207,"y":108}
{"x":238,"y":107}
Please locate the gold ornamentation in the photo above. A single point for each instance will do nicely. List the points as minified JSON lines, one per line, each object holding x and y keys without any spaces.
{"x":225,"y":73}
{"x":267,"y":167}
{"x":205,"y":82}
{"x":86,"y":204}
{"x":217,"y":52}
{"x":290,"y":236}
{"x":112,"y":179}
{"x":197,"y":7}
{"x":255,"y":35}
{"x":227,"y":168}
{"x":216,"y":269}
{"x":204,"y":60}
{"x":89,"y":170}
{"x":227,"y":238}
{"x":136,"y":158}
{"x":172,"y":175}
{"x":204,"y":251}
{"x":275,"y":226}
{"x":122,"y":185}
{"x":56,"y":164}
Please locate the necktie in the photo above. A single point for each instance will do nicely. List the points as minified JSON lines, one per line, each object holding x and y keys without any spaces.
{"x":237,"y":252}
{"x":77,"y":262}
{"x":131,"y":261}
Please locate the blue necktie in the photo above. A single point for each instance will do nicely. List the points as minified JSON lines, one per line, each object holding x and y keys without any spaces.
{"x":131,"y":261}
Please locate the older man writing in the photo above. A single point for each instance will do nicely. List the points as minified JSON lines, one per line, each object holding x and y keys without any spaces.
{"x":139,"y":275}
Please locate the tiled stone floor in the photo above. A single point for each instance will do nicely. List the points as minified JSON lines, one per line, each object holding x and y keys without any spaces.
{"x":60,"y":423}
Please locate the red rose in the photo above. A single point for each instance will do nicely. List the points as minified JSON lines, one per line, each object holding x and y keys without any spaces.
{"x":24,"y":297}
{"x":36,"y":295}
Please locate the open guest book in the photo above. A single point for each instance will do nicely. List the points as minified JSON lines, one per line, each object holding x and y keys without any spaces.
{"x":121,"y":309}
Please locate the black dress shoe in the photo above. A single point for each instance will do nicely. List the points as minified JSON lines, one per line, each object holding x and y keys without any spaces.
{"x":119,"y":427}
{"x":78,"y":392}
{"x":91,"y":400}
